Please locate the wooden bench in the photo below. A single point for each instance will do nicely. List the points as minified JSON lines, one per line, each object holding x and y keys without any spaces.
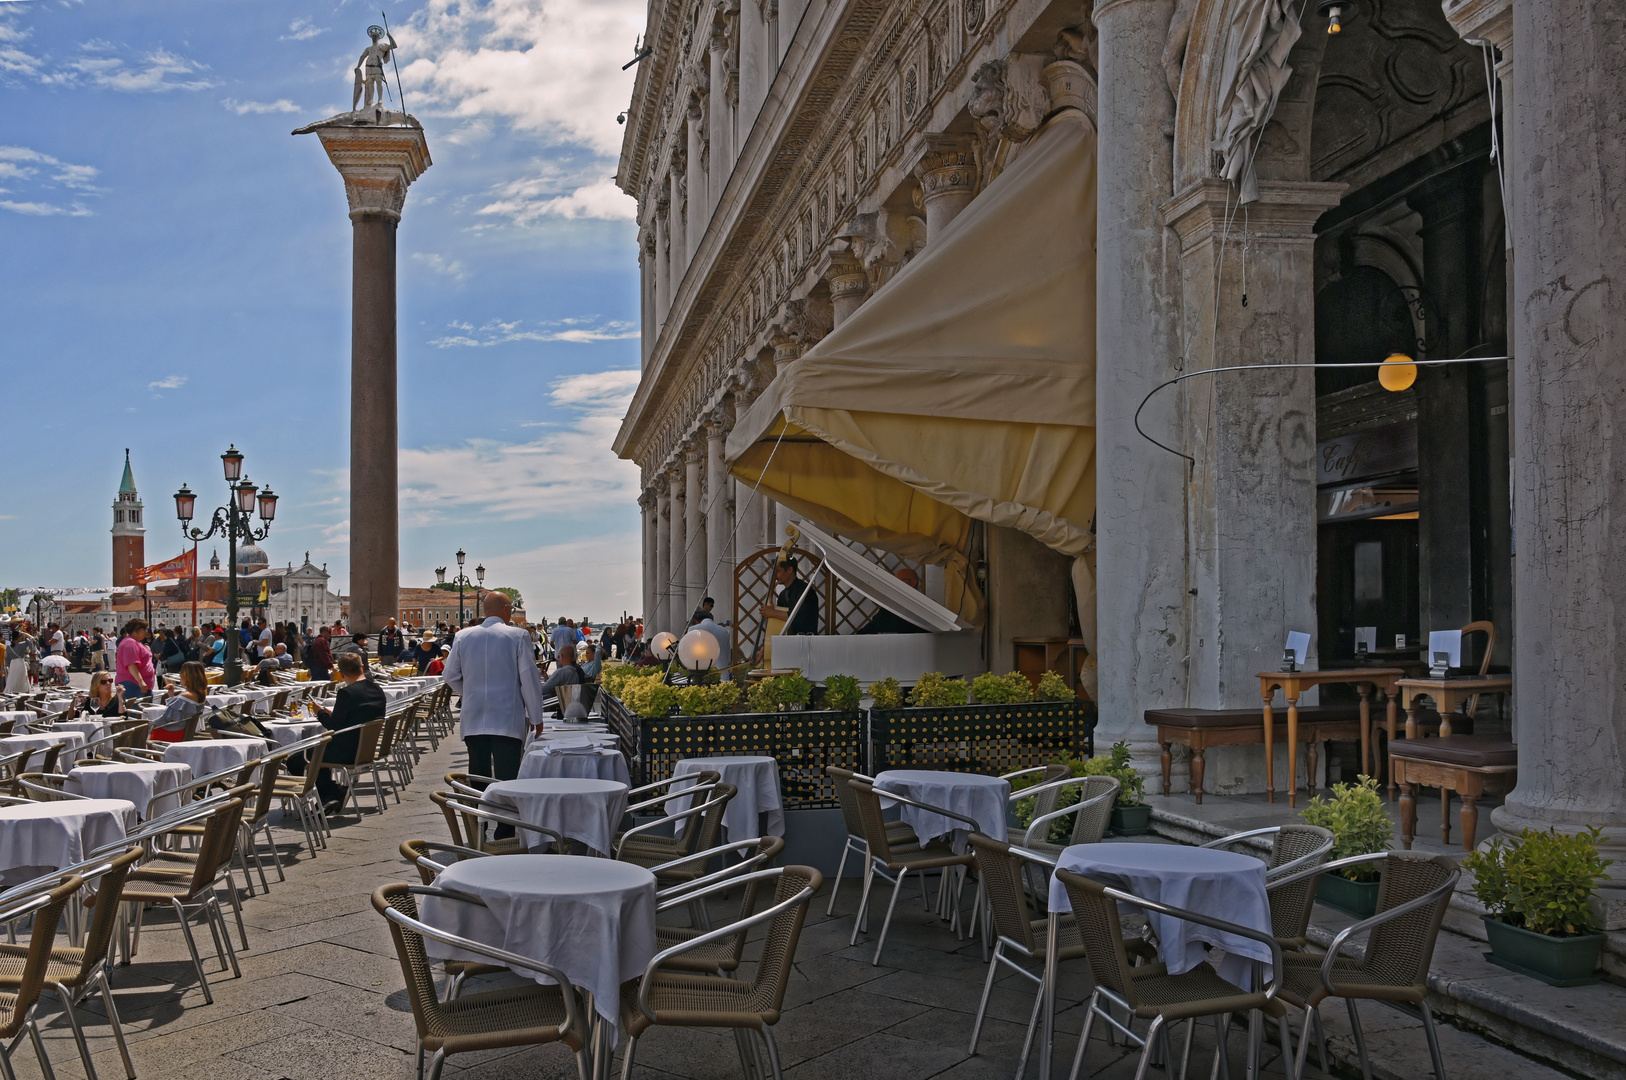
{"x":1200,"y":729}
{"x":1466,"y":764}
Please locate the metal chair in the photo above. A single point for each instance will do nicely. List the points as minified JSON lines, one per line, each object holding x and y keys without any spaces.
{"x":1413,"y":894}
{"x":1090,"y":813}
{"x":500,"y":814}
{"x":684,"y":999}
{"x":366,"y":757}
{"x":899,"y":833}
{"x":1293,"y":848}
{"x":723,"y":954}
{"x":17,"y":1007}
{"x":300,"y":791}
{"x":529,"y":1015}
{"x":1150,"y":992}
{"x":694,"y":829}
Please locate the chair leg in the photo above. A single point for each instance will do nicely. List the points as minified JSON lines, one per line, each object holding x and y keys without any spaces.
{"x":6,"y":1072}
{"x":1152,"y":1034}
{"x":626,"y":1058}
{"x":237,"y":910}
{"x":887,"y":923}
{"x":73,"y":1025}
{"x":987,"y":991}
{"x":1433,"y":1042}
{"x":1084,"y":1036}
{"x":192,"y":947}
{"x":841,"y":868}
{"x":1288,"y":1061}
{"x":860,"y":916}
{"x":436,"y":1063}
{"x":271,"y":842}
{"x":39,"y":1049}
{"x":1360,"y":1040}
{"x":773,"y":1054}
{"x":1033,"y":1025}
{"x":115,"y":1023}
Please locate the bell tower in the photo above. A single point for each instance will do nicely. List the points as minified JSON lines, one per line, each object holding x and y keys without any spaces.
{"x":129,"y":534}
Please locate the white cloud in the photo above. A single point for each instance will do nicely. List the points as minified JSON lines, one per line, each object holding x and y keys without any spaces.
{"x":168,"y":382}
{"x":452,"y":268}
{"x":524,"y":201}
{"x":241,"y":108}
{"x":603,"y":393}
{"x":549,"y":66}
{"x":19,"y":163}
{"x":157,"y":71}
{"x":597,"y":576}
{"x":302,"y":30}
{"x":580,"y":331}
{"x":39,"y":209}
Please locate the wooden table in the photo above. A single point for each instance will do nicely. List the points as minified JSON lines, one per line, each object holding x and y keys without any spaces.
{"x":1447,"y":695}
{"x":1293,"y":684}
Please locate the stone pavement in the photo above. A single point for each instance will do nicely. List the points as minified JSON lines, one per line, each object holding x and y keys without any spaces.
{"x":322,"y":998}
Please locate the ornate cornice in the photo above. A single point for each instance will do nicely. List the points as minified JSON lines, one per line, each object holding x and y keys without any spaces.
{"x":378,"y":164}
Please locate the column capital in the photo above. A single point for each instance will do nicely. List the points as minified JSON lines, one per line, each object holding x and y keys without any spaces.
{"x":1482,"y":20}
{"x":944,"y":162}
{"x":378,"y":163}
{"x":841,"y":269}
{"x":1286,"y":210}
{"x":694,"y":452}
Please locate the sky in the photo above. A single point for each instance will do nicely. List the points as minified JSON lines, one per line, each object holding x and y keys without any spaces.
{"x":175,"y":276}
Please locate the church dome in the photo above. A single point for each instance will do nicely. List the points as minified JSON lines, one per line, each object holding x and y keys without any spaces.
{"x":252,"y":557}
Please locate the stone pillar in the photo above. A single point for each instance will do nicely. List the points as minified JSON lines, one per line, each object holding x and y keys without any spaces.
{"x":699,"y":201}
{"x":755,"y":71}
{"x":663,"y":263}
{"x":677,"y":252}
{"x":718,"y":582}
{"x":694,"y":528}
{"x":946,"y":166}
{"x":650,"y":515}
{"x":721,"y":109}
{"x":786,"y":346}
{"x":1252,"y":503}
{"x":657,"y":619}
{"x":1570,"y":380}
{"x":378,"y":163}
{"x":1141,"y":598}
{"x":849,"y":285}
{"x":649,"y":314}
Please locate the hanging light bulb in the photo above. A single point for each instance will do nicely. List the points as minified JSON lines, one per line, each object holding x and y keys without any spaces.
{"x":1397,"y":372}
{"x":1335,"y":12}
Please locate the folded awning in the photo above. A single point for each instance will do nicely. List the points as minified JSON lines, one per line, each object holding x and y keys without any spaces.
{"x":963,"y":389}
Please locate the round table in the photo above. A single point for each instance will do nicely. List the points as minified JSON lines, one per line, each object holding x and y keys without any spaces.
{"x":38,"y":743}
{"x":133,"y":783}
{"x":18,"y":716}
{"x":90,"y":729}
{"x":287,"y":732}
{"x":574,"y":807}
{"x":209,"y":756}
{"x":41,"y":837}
{"x":593,"y":919}
{"x":755,"y":810}
{"x":983,"y":799}
{"x":1221,"y":884}
{"x":599,"y":763}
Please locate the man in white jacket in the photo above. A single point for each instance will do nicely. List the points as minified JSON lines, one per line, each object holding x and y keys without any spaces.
{"x":492,"y":668}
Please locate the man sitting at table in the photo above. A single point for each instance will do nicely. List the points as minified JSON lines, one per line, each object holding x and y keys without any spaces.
{"x":358,"y":701}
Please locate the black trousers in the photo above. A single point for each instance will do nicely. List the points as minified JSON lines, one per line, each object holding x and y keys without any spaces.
{"x":496,"y":756}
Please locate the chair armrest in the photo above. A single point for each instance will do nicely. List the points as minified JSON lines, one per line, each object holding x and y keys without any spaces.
{"x":1023,"y":772}
{"x":1039,"y":789}
{"x":906,"y":800}
{"x":1430,"y":897}
{"x":690,"y":890}
{"x":1337,"y":864}
{"x":662,"y":800}
{"x":1028,"y":837}
{"x":1226,"y":841}
{"x":693,"y":811}
{"x":1038,"y":857}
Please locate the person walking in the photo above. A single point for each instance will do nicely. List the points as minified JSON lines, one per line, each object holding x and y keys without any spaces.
{"x":319,"y":657}
{"x":19,"y":653}
{"x":492,"y":669}
{"x":134,"y":658}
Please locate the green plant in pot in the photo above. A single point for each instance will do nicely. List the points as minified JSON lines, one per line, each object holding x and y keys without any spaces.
{"x":842,"y":693}
{"x":886,"y":694}
{"x":938,"y":691}
{"x":1537,"y":889}
{"x":1355,"y":816}
{"x":1130,"y":814}
{"x":780,"y":693}
{"x":1012,"y":688}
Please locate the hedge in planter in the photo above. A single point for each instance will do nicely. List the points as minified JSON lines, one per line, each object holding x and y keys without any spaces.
{"x":939,"y":730}
{"x":1359,"y":826}
{"x":1537,"y":889}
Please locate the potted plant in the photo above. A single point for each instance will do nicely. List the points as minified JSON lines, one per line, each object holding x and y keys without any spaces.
{"x":886,"y":693}
{"x":1537,"y":890}
{"x":842,"y":693}
{"x":1052,"y":687}
{"x":1359,"y":825}
{"x":1130,"y":814}
{"x":781,"y":693}
{"x":938,"y":691}
{"x":1009,"y":689}
{"x":708,"y":699}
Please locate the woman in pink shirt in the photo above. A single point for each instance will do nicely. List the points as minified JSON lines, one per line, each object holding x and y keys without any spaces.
{"x":134,"y":661}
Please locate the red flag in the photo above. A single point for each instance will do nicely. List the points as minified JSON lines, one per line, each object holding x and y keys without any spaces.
{"x":181,"y":566}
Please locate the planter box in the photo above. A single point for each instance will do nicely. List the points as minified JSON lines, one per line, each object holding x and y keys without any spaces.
{"x":1357,"y":898}
{"x":1131,"y":820}
{"x":1556,"y":961}
{"x":802,"y":742}
{"x":987,"y":739}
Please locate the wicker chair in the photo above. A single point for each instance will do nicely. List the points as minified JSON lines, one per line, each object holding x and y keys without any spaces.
{"x":367,"y":758}
{"x":722,"y":954}
{"x":300,"y":792}
{"x":682,"y":999}
{"x":1150,"y":992}
{"x":477,"y":810}
{"x":43,"y":787}
{"x":899,"y":833}
{"x":1412,"y":898}
{"x":528,"y":1015}
{"x":165,"y":881}
{"x":17,"y":1006}
{"x":1090,"y":813}
{"x":1293,"y":848}
{"x":896,"y":864}
{"x":76,"y":972}
{"x":420,"y":854}
{"x":701,"y":823}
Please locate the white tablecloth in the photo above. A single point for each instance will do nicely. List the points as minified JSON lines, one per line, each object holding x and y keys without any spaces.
{"x":207,"y":756}
{"x":981,"y":798}
{"x":293,"y":731}
{"x":576,"y":808}
{"x":1220,"y":884}
{"x":593,"y":919}
{"x":90,"y":729}
{"x":73,"y":740}
{"x":756,"y":810}
{"x":133,"y":783}
{"x":18,"y":716}
{"x":221,"y":701}
{"x":602,"y":764}
{"x":42,"y":837}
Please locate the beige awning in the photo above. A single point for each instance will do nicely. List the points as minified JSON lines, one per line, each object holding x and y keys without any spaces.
{"x":963,"y":389}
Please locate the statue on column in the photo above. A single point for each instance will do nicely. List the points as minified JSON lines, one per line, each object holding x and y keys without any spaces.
{"x":370,"y":82}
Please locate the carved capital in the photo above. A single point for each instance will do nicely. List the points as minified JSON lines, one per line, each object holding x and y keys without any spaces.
{"x":809,"y":319}
{"x":843,"y":272}
{"x":1483,"y":20}
{"x":694,"y":452}
{"x":944,"y":163}
{"x":1071,"y":86}
{"x":378,"y":164}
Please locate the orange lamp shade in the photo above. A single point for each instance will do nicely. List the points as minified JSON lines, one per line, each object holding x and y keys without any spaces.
{"x":1397,"y":373}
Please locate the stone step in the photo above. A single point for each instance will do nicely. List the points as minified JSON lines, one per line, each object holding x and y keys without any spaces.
{"x":1580,"y":1029}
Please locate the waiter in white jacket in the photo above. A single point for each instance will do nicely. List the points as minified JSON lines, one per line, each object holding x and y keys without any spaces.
{"x":493,"y":669}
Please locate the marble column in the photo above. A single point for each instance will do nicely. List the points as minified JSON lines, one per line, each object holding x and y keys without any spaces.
{"x":1141,"y":573}
{"x":677,"y":249}
{"x":720,"y":111}
{"x":755,"y":71}
{"x":378,"y":162}
{"x":719,"y":577}
{"x":1251,"y":507}
{"x":699,"y":200}
{"x":677,"y":578}
{"x":646,"y":295}
{"x":1569,"y":442}
{"x":663,"y":263}
{"x":649,"y":518}
{"x":656,"y":620}
{"x":694,"y":526}
{"x":946,"y":166}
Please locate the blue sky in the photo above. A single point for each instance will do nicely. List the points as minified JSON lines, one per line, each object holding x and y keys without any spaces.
{"x":174,"y":276}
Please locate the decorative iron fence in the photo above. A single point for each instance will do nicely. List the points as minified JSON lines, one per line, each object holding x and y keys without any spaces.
{"x":988,"y":739}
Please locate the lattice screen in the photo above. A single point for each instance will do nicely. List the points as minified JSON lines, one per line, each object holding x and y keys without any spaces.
{"x":844,"y":609}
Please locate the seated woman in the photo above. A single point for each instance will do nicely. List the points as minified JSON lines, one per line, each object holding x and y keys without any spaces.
{"x":191,"y":701}
{"x":358,"y":701}
{"x":106,"y":697}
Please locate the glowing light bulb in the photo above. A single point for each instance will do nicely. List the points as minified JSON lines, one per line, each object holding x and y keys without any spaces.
{"x":1397,"y":373}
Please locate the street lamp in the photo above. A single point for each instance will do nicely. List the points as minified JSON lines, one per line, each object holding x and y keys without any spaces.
{"x":479,"y":590}
{"x":234,"y":520}
{"x":461,"y":581}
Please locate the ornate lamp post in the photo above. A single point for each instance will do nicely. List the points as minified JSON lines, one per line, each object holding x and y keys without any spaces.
{"x":462,"y":582}
{"x":234,"y":520}
{"x":479,"y":589}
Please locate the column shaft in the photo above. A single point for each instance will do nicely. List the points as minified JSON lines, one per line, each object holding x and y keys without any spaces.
{"x":694,"y":524}
{"x":719,"y":582}
{"x":649,"y":517}
{"x":677,"y":573}
{"x":375,"y":521}
{"x":656,"y":620}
